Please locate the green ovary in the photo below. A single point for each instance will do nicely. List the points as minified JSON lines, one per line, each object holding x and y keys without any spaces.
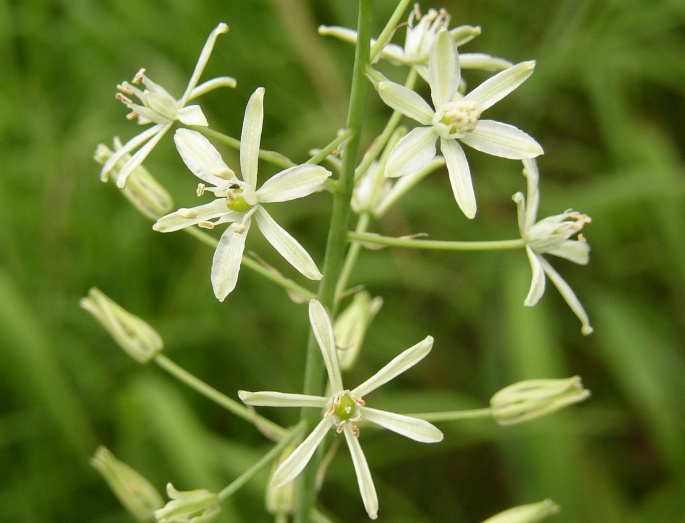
{"x":345,"y":409}
{"x":238,"y":204}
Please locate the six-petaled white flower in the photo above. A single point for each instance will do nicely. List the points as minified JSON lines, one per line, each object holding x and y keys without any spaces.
{"x":455,"y":118}
{"x":238,"y":201}
{"x":551,"y":235}
{"x":346,"y":407}
{"x":160,"y":108}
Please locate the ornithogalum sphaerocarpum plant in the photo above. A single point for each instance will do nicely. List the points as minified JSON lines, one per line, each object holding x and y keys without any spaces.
{"x":363,"y":181}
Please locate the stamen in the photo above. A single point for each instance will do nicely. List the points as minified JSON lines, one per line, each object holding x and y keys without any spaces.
{"x":200,"y":189}
{"x":124,"y":88}
{"x":132,"y":115}
{"x":355,"y":431}
{"x":124,"y":99}
{"x":238,"y":228}
{"x":139,"y":76}
{"x":205,"y":225}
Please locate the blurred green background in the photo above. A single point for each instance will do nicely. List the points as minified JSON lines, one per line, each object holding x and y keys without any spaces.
{"x":607,"y":101}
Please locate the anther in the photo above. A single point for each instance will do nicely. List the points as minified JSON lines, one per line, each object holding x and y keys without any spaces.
{"x":139,"y":76}
{"x":122,"y":98}
{"x":223,"y":173}
{"x":200,"y":189}
{"x":205,"y":225}
{"x":238,"y":228}
{"x":190,"y":214}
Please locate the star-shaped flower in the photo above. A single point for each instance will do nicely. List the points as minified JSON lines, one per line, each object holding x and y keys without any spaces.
{"x":455,"y":118}
{"x":238,"y":201}
{"x":551,"y":235}
{"x":346,"y":407}
{"x":159,"y":107}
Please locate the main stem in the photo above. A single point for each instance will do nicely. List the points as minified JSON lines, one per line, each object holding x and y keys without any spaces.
{"x":335,"y":249}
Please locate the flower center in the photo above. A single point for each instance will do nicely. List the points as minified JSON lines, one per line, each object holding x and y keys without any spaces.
{"x":345,"y":408}
{"x":462,"y":116}
{"x":234,"y":201}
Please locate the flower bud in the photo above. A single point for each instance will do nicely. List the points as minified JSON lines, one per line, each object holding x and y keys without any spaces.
{"x":351,"y":325}
{"x":534,"y":398}
{"x":137,"y":338}
{"x":191,"y":506}
{"x":281,"y":500}
{"x":134,"y":491}
{"x":526,"y":513}
{"x":141,"y":189}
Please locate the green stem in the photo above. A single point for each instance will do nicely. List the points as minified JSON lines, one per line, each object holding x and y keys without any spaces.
{"x":323,"y":153}
{"x":352,"y":255}
{"x":335,"y":248}
{"x":389,"y":29}
{"x":255,"y":266}
{"x":455,"y":415}
{"x":264,"y":461}
{"x":438,"y":245}
{"x":217,"y":397}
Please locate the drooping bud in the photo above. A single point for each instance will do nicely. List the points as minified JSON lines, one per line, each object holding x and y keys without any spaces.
{"x":531,"y":513}
{"x":134,"y":491}
{"x":191,"y":506}
{"x":531,"y":399}
{"x":144,"y":192}
{"x":136,"y":337}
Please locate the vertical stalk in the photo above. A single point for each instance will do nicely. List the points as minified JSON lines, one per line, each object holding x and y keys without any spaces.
{"x":335,"y":249}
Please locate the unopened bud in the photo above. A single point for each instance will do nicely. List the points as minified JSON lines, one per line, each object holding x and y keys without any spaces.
{"x":137,"y":338}
{"x":530,"y":399}
{"x":526,"y":513}
{"x":281,"y":500}
{"x":134,"y":491}
{"x":351,"y":325}
{"x":192,"y":506}
{"x":143,"y":191}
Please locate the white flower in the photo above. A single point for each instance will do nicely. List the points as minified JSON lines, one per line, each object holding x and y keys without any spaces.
{"x":346,"y":407}
{"x":552,"y":235}
{"x":157,"y":106}
{"x":422,"y":31}
{"x":238,"y":201}
{"x":455,"y":117}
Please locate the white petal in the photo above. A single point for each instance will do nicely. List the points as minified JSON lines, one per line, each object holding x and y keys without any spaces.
{"x":406,"y":101}
{"x":280,"y":399}
{"x":200,"y":156}
{"x":210,"y":85}
{"x":537,"y":285}
{"x":140,"y":155}
{"x":361,"y":468}
{"x":460,"y":176}
{"x":202,"y":60}
{"x":503,"y":140}
{"x":251,"y":136}
{"x":573,"y":250}
{"x":395,"y":367}
{"x":443,"y":69}
{"x":412,"y":153}
{"x":494,"y":89}
{"x":179,"y":219}
{"x":286,"y":245}
{"x":191,"y":115}
{"x":292,"y":466}
{"x":413,"y":428}
{"x":226,"y":262}
{"x":569,"y":296}
{"x":532,"y":174}
{"x":323,"y":332}
{"x":482,"y":61}
{"x":295,"y":182}
{"x":127,"y":148}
